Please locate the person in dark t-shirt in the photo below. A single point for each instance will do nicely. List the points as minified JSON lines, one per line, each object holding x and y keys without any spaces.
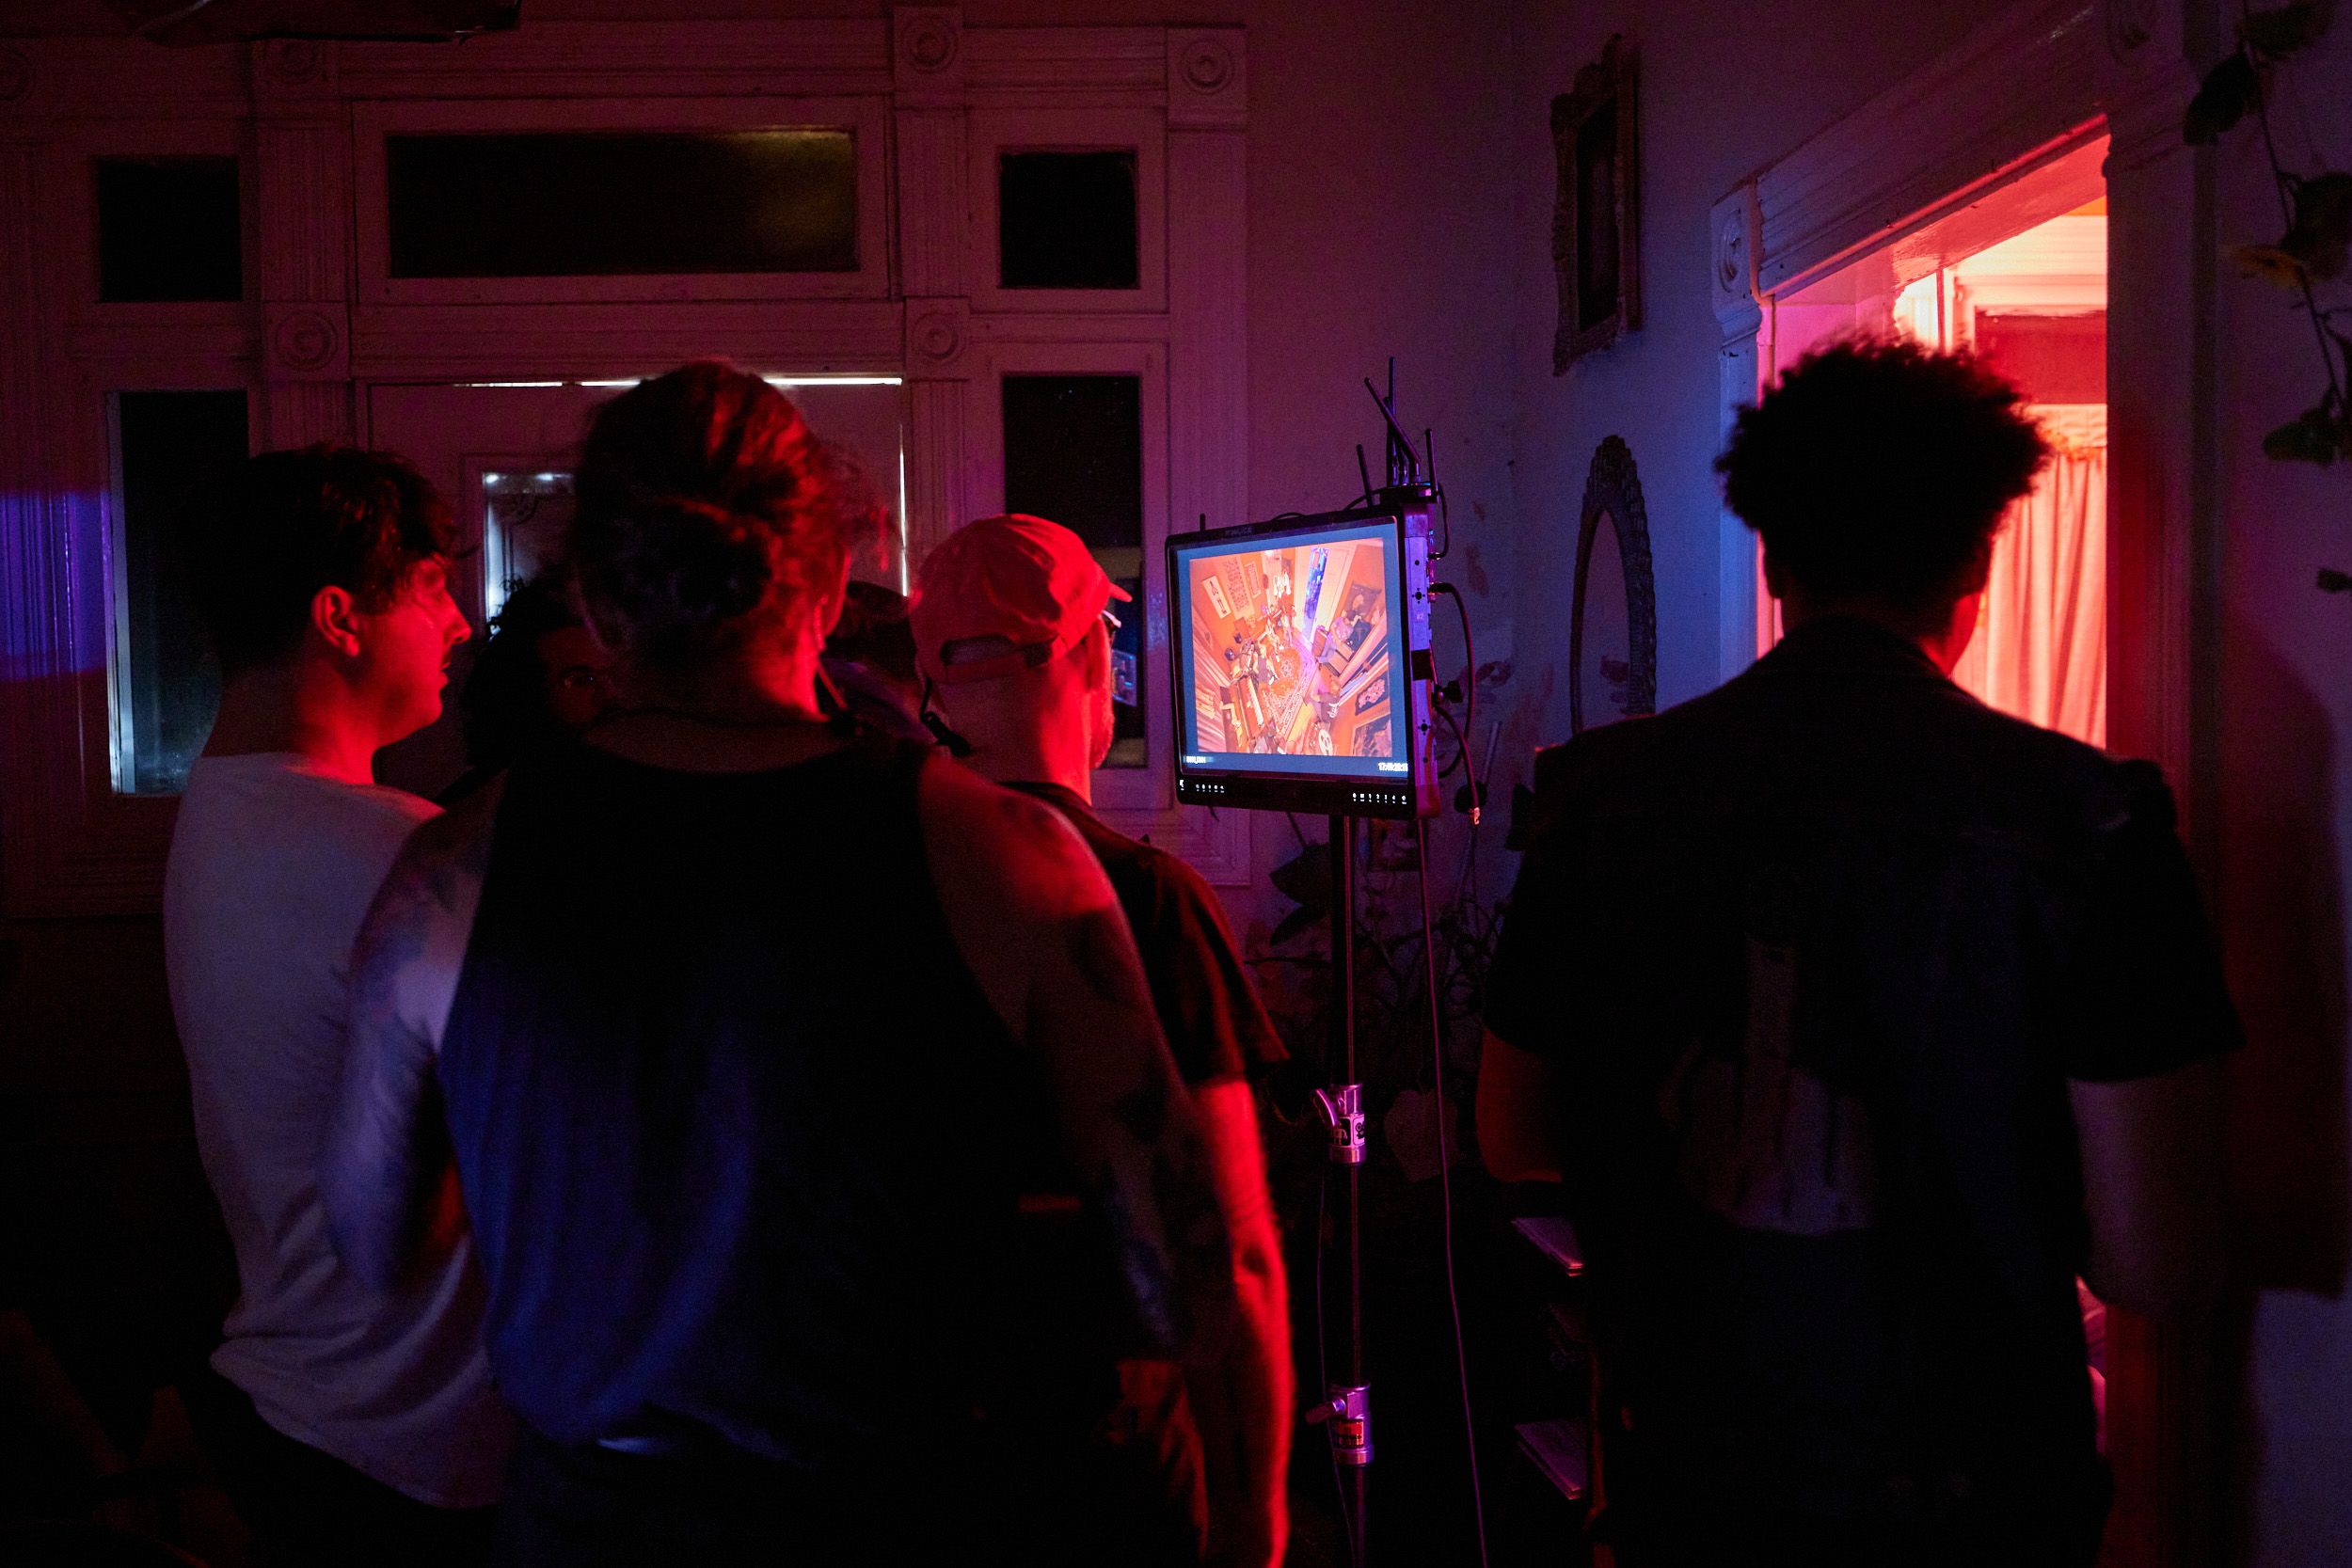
{"x":1012,"y":620}
{"x":1858,"y":1021}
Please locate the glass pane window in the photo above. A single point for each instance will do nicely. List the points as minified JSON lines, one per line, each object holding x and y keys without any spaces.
{"x":167,"y":446}
{"x":169,"y":230}
{"x":524,"y":517}
{"x":603,"y":204}
{"x":1073,"y":453}
{"x":1066,"y":220}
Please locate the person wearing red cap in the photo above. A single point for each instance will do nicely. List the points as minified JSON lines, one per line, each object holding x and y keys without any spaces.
{"x":1012,"y":620}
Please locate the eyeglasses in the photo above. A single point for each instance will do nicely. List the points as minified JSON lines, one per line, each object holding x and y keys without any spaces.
{"x":1110,"y":622}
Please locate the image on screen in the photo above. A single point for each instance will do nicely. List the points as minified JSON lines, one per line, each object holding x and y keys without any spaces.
{"x":1294,"y":653}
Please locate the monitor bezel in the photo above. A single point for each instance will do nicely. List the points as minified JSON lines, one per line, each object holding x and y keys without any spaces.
{"x":1397,"y":797}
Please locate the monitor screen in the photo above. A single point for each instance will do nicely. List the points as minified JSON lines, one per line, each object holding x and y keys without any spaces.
{"x":1291,"y":649}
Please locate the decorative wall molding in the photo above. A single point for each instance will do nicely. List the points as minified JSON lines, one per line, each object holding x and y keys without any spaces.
{"x":468,"y":343}
{"x":321,"y":326}
{"x":926,"y":56}
{"x":1208,"y":285}
{"x":2025,"y":81}
{"x":1208,"y":84}
{"x":936,"y":333}
{"x":294,"y":69}
{"x":1132,"y":326}
{"x":296,"y":413}
{"x":1736,"y":229}
{"x":1736,"y":235}
{"x":225,"y":342}
{"x":931,"y":214}
{"x":938,"y":440}
{"x":302,"y":188}
{"x":1066,"y":67}
{"x":632,"y":59}
{"x":103,"y":78}
{"x":307,"y":342}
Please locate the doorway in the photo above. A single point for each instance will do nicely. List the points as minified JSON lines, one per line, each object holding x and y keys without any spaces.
{"x":502,"y":452}
{"x":2019,"y":279}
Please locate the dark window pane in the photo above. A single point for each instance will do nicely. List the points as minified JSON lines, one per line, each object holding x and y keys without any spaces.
{"x":1066,"y":220}
{"x":1073,"y":453}
{"x":622,"y":203}
{"x":167,"y":446}
{"x":168,"y":229}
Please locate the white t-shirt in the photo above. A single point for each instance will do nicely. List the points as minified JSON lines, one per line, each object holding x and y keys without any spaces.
{"x":273,"y":867}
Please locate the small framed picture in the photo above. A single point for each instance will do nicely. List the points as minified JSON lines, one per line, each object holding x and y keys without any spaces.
{"x":1596,"y":214}
{"x":1375,"y":691}
{"x":1216,"y":596}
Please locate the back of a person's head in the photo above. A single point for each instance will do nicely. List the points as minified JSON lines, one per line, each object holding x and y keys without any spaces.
{"x":1877,"y":470}
{"x":504,"y":703}
{"x":704,"y":510}
{"x":874,"y":631}
{"x":261,"y":545}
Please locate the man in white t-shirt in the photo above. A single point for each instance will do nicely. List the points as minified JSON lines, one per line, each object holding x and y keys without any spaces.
{"x":353,"y":1425}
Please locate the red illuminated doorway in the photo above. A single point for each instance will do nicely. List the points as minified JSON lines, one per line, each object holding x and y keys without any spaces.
{"x":2017,"y":276}
{"x":502,"y":452}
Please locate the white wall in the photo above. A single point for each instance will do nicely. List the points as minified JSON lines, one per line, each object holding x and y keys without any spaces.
{"x":1724,"y":89}
{"x":2287,"y":780}
{"x":1381,"y":222}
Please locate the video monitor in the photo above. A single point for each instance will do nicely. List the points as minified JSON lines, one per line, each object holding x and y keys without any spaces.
{"x":1300,"y":662}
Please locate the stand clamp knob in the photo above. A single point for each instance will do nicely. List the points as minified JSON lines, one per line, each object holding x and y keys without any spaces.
{"x":1348,"y":1414}
{"x":1342,"y":1108}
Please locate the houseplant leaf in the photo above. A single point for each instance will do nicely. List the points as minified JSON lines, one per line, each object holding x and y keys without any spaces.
{"x":2229,"y":89}
{"x":2274,"y":264}
{"x":2286,"y":29}
{"x":2316,"y":435}
{"x":2322,"y":234}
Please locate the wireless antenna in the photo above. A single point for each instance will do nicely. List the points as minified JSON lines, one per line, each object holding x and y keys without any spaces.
{"x":1398,"y":441}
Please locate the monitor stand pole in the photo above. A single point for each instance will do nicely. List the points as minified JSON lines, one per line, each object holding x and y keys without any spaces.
{"x":1346,"y":1410}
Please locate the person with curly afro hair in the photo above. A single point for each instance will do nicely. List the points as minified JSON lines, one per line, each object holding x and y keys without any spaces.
{"x":1858,"y":1021}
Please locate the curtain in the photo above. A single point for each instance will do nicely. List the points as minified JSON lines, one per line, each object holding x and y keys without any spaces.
{"x":2040,"y":648}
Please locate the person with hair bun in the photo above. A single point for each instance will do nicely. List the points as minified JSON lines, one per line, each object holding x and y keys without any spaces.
{"x":743,"y":1033}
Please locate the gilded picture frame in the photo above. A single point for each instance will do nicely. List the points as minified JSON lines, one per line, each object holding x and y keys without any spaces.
{"x":1596,"y":215}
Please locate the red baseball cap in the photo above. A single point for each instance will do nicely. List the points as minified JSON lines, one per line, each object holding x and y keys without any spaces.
{"x":1029,"y":582}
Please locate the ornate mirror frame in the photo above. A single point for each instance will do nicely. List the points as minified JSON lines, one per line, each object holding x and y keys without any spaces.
{"x":1612,"y":489}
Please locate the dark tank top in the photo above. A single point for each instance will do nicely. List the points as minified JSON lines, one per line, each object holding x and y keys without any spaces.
{"x":731,"y":1113}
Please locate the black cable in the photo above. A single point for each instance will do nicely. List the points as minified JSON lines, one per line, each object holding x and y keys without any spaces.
{"x":1461,"y":745}
{"x":1470,"y":696}
{"x":1445,"y":1182}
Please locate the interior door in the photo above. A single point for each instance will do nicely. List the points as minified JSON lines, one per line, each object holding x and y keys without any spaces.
{"x":503,"y":454}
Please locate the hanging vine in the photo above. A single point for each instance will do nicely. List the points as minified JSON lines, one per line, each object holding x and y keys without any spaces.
{"x":2309,"y":260}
